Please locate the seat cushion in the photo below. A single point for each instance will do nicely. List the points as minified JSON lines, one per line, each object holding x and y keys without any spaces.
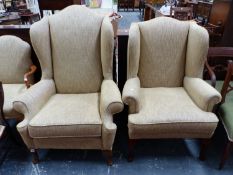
{"x":170,"y":113}
{"x":10,"y":92}
{"x":226,"y":111}
{"x":68,"y":115}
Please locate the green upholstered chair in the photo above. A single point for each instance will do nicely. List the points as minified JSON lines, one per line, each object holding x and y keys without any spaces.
{"x":225,"y":109}
{"x":165,"y":92}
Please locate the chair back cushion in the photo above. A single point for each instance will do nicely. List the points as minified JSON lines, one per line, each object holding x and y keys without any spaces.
{"x":75,"y":50}
{"x":15,"y":59}
{"x":163,"y":44}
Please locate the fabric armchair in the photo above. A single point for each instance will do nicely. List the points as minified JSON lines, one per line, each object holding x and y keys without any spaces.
{"x":16,"y":72}
{"x":72,"y":107}
{"x":165,"y":92}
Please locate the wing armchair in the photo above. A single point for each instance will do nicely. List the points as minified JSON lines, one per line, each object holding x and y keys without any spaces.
{"x":165,"y":92}
{"x":15,"y":72}
{"x":72,"y":106}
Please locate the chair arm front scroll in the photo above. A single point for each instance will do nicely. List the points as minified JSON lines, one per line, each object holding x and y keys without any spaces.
{"x":110,"y":103}
{"x":211,"y":74}
{"x":131,"y":94}
{"x":28,"y":74}
{"x":204,"y":95}
{"x":30,"y":102}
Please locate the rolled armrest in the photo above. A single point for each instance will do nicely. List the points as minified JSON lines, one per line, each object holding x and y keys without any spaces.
{"x":203,"y":94}
{"x":110,"y":101}
{"x":131,"y":94}
{"x":31,"y":101}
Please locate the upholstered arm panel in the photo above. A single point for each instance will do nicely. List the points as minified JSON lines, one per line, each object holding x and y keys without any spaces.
{"x":204,"y":95}
{"x":29,"y":104}
{"x":107,"y":44}
{"x":15,"y":59}
{"x":133,"y":51}
{"x":197,"y":48}
{"x":110,"y":103}
{"x":131,"y":94}
{"x":40,"y":38}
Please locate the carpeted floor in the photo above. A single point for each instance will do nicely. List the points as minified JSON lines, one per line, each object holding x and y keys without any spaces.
{"x":152,"y":157}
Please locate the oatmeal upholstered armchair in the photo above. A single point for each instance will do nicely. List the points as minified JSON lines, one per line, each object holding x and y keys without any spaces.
{"x":165,"y":92}
{"x":15,"y":73}
{"x":72,"y":106}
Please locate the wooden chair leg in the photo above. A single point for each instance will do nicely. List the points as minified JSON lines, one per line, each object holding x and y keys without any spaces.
{"x":108,"y":156}
{"x":204,"y":145}
{"x":131,"y":144}
{"x":227,"y":150}
{"x":35,"y":156}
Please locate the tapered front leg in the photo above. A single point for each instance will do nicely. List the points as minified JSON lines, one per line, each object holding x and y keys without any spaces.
{"x":108,"y":156}
{"x":227,"y":150}
{"x":204,"y":145}
{"x":35,"y":156}
{"x":131,"y":144}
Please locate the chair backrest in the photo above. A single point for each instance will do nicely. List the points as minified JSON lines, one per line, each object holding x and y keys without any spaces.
{"x":15,"y":59}
{"x":164,"y":50}
{"x":227,"y":87}
{"x":68,"y":45}
{"x":217,"y":62}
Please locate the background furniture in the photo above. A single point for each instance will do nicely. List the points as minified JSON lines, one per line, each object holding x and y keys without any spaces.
{"x":165,"y":92}
{"x":78,"y":113}
{"x":55,"y":5}
{"x":225,"y":111}
{"x":16,"y":71}
{"x":182,"y":13}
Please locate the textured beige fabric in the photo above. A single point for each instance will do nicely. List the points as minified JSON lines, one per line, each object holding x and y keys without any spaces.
{"x":197,"y":48}
{"x":203,"y":94}
{"x":10,"y":92}
{"x":162,"y":52}
{"x":168,"y":109}
{"x":29,"y":104}
{"x":107,"y":44}
{"x":77,"y":54}
{"x":76,"y":115}
{"x":68,"y":143}
{"x":79,"y":47}
{"x":131,"y":94}
{"x":133,"y":51}
{"x":110,"y":103}
{"x":172,"y":130}
{"x":40,"y":38}
{"x":15,"y":59}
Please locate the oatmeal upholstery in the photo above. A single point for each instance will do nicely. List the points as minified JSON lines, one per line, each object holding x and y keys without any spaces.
{"x":72,"y":106}
{"x":166,"y":96}
{"x":15,"y":60}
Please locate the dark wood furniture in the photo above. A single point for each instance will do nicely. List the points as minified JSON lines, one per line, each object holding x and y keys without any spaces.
{"x":29,"y":18}
{"x":55,"y":4}
{"x":217,"y":63}
{"x":12,"y":18}
{"x":126,"y":4}
{"x":203,"y":11}
{"x":182,"y":13}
